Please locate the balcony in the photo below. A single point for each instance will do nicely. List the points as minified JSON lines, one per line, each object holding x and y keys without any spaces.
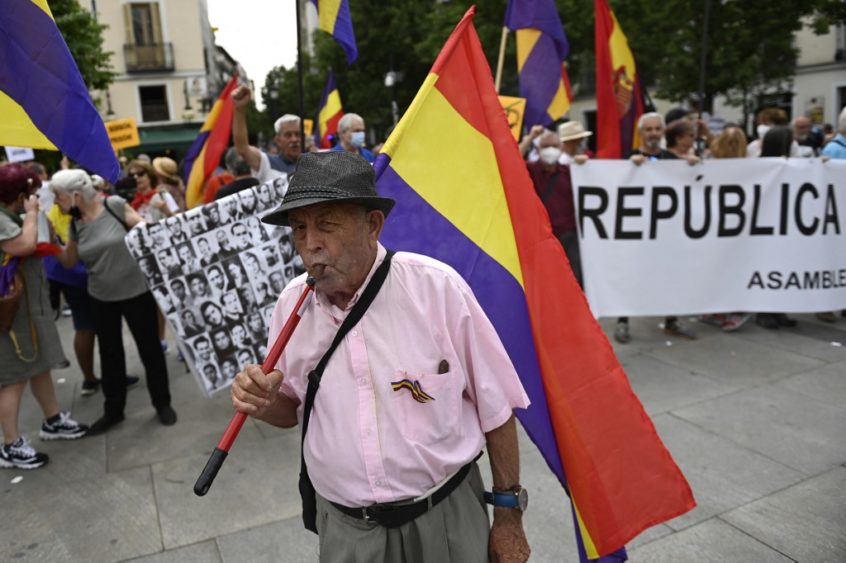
{"x":157,"y":57}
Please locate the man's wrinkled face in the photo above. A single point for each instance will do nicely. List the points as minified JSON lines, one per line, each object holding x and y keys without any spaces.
{"x":651,"y":133}
{"x":288,"y":140}
{"x":337,"y":242}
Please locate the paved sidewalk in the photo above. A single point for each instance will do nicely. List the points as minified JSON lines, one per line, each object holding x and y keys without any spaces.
{"x":755,"y":419}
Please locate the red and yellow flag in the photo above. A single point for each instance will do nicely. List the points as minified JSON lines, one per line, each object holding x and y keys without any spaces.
{"x":619,"y":93}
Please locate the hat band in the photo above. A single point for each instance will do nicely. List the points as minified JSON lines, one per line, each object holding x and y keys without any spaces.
{"x":315,"y":192}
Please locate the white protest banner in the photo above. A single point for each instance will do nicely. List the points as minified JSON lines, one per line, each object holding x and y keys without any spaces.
{"x":19,"y":154}
{"x":757,"y":235}
{"x":216,"y":271}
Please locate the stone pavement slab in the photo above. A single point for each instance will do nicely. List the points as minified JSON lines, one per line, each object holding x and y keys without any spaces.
{"x":807,"y":339}
{"x":204,"y":552}
{"x":727,"y":358}
{"x":255,"y":486}
{"x":784,"y":425}
{"x":713,"y":541}
{"x":662,"y":387}
{"x":826,"y":384}
{"x":806,"y":521}
{"x":106,"y":518}
{"x":284,"y":540}
{"x":722,"y":474}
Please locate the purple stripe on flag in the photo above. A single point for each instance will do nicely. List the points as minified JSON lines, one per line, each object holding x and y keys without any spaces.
{"x":415,"y":226}
{"x":539,"y":81}
{"x":39,"y":73}
{"x":192,"y":154}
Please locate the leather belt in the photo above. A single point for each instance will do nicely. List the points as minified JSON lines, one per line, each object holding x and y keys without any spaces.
{"x":392,"y":515}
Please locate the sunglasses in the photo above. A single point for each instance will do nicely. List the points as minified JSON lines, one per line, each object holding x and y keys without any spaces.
{"x":137,"y":174}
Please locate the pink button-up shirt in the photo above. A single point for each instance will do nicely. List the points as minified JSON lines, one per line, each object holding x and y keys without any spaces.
{"x":368,"y":443}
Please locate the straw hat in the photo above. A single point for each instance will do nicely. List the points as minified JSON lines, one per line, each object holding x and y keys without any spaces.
{"x":572,"y":130}
{"x":330,"y":176}
{"x":167,"y":168}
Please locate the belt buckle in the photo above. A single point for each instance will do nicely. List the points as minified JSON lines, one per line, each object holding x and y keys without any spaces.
{"x":365,"y":515}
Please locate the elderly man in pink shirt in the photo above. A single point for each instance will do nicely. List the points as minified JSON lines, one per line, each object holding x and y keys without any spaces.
{"x":410,"y":396}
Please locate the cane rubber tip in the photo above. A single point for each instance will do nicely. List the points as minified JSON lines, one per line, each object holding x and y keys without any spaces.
{"x":310,"y":281}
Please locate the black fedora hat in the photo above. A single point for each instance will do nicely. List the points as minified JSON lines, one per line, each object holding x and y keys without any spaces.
{"x":333,"y":176}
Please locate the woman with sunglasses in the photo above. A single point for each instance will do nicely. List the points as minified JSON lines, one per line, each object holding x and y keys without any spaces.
{"x":151,"y":202}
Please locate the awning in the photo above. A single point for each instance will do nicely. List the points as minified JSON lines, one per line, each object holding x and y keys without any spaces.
{"x":157,"y":139}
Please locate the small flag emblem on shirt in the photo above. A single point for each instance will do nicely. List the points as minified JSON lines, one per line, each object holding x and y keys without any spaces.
{"x":414,"y":388}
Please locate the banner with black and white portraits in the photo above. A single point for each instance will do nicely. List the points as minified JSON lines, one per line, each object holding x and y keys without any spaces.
{"x":216,"y":272}
{"x":755,"y":235}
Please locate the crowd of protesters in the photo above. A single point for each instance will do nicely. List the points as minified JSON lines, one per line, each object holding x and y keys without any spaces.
{"x":85,"y":262}
{"x":677,"y":135}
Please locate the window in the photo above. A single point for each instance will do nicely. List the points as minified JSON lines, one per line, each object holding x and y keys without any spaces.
{"x":154,"y":105}
{"x":143,"y":23}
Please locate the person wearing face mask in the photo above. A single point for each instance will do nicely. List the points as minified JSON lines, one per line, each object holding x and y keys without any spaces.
{"x":118,"y":292}
{"x":552,"y":184}
{"x":767,"y":118}
{"x":351,"y":134}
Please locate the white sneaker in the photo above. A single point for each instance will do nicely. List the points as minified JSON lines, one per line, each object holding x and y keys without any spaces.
{"x":65,"y":428}
{"x":21,"y":455}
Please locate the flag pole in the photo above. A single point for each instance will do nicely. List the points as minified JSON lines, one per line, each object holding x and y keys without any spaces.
{"x":300,"y":77}
{"x":700,"y":149}
{"x":501,"y":58}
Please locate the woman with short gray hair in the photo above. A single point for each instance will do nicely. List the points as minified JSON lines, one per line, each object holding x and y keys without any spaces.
{"x":118,"y":291}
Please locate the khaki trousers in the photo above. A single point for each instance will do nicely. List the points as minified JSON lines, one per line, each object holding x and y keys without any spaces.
{"x":454,"y":531}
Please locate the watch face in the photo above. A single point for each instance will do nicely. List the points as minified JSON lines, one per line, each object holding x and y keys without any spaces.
{"x":523,"y":499}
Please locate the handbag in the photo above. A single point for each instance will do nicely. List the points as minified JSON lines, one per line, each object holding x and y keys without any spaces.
{"x":11,"y":301}
{"x":307,"y":492}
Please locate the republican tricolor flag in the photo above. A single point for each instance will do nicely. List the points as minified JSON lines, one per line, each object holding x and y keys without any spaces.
{"x":204,"y":154}
{"x":334,"y":18}
{"x":479,"y":213}
{"x":619,"y":93}
{"x":44,"y":103}
{"x":542,"y":48}
{"x":330,"y":113}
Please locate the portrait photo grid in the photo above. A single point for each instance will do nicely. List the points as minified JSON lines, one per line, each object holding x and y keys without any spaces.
{"x":216,"y":272}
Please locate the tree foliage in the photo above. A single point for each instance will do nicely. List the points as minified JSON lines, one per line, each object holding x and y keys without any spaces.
{"x":84,"y":37}
{"x":750,"y":49}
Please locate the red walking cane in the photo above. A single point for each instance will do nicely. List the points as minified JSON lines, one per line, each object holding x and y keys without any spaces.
{"x":218,"y":456}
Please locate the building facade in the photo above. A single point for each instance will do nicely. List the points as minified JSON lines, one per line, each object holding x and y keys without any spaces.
{"x":168,"y":69}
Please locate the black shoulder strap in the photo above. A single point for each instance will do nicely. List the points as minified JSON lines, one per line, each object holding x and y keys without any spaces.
{"x":352,"y":319}
{"x":113,"y":214}
{"x":307,"y":492}
{"x":839,"y":142}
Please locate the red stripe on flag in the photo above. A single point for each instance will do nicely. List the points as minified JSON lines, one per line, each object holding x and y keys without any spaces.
{"x":621,"y":477}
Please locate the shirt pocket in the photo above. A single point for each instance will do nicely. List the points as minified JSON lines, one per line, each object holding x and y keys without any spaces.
{"x":426,"y":406}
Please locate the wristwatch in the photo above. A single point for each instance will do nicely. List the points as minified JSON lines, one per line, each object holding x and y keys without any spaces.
{"x":515,"y":497}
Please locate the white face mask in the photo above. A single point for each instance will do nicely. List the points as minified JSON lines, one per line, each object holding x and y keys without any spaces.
{"x":357,"y":139}
{"x":550,"y":155}
{"x":762,"y":130}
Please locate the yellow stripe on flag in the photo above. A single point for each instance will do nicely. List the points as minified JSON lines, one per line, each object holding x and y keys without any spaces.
{"x":17,"y":129}
{"x":590,"y":547}
{"x":194,"y":189}
{"x":328,"y":14}
{"x":471,"y":196}
{"x":560,"y":104}
{"x":526,"y":39}
{"x":333,"y":106}
{"x":44,"y":6}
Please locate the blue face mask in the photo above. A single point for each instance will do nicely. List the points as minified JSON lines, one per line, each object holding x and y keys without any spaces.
{"x":357,"y":139}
